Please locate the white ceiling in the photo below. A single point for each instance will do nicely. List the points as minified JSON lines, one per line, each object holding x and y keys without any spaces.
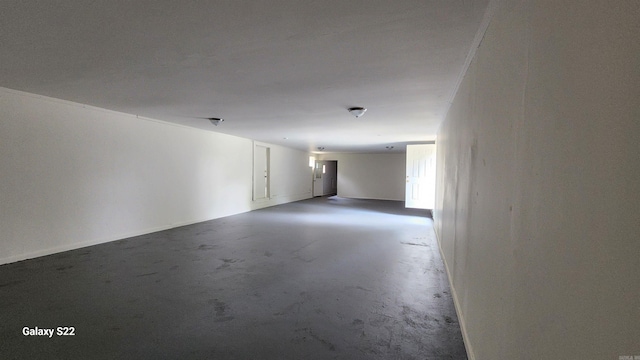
{"x":271,"y":69}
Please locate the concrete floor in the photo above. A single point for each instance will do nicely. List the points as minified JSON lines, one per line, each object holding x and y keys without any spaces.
{"x":326,"y":278}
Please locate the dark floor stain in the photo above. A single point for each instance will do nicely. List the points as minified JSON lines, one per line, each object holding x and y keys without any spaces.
{"x":377,"y":320}
{"x":147,"y":274}
{"x":268,"y":254}
{"x":437,"y":295}
{"x":324,"y":342}
{"x":219,"y":307}
{"x":357,"y":322}
{"x":227,"y":263}
{"x":414,"y":244}
{"x":411,"y":322}
{"x":328,"y":344}
{"x":430,"y":318}
{"x":64,"y":268}
{"x":206,"y":247}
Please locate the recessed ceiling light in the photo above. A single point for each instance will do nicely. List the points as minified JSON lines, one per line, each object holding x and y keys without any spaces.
{"x":320,"y":148}
{"x":389,"y":147}
{"x":357,"y":111}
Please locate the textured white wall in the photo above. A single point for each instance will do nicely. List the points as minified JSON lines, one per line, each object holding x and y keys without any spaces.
{"x":538,"y":200}
{"x":370,"y":176}
{"x":290,"y":176}
{"x":74,"y":175}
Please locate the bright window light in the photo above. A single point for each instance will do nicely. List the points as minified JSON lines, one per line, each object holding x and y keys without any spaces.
{"x":324,"y":169}
{"x":312,"y":161}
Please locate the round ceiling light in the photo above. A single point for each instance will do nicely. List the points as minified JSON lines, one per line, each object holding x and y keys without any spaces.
{"x":216,"y":121}
{"x":357,"y":111}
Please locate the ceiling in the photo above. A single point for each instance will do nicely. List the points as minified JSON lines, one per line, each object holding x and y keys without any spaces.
{"x":279,"y":71}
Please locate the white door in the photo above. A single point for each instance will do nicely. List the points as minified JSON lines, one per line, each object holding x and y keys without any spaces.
{"x":318,"y":182}
{"x":260,"y":172}
{"x":421,"y":176}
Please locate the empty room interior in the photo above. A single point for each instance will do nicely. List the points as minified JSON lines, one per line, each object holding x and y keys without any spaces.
{"x":402,"y":179}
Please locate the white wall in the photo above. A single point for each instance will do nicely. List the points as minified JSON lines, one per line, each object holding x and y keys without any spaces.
{"x":370,"y":176}
{"x":290,"y":176}
{"x":74,"y":175}
{"x":538,"y":200}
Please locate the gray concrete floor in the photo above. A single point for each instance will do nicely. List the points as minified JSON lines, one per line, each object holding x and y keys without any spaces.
{"x":326,"y":278}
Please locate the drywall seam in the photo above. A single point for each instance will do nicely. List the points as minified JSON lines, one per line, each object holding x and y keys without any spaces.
{"x":456,"y":302}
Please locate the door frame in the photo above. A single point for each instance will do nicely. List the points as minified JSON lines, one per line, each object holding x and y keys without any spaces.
{"x":267,"y":172}
{"x":317,"y":166}
{"x":421,"y":176}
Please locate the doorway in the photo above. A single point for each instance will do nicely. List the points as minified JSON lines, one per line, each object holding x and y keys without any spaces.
{"x":261,"y":183}
{"x":325,"y":178}
{"x":421,"y":176}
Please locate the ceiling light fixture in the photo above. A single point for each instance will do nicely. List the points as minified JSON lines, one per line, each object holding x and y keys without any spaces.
{"x":320,"y":148}
{"x":357,"y":111}
{"x":389,"y":147}
{"x":216,"y":121}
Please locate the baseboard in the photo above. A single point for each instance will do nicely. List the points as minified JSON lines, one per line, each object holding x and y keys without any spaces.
{"x":79,"y":245}
{"x":369,"y":198}
{"x":456,"y":303}
{"x":278,"y":200}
